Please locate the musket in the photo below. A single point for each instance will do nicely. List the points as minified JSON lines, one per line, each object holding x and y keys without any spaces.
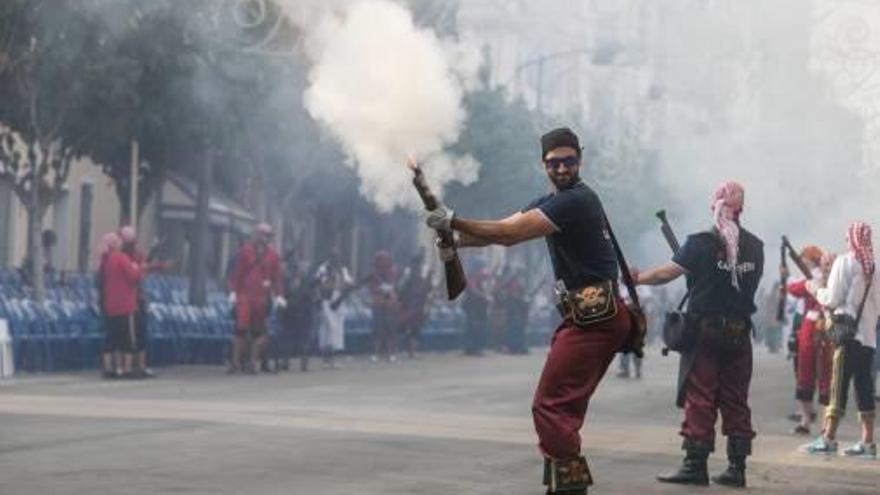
{"x":456,"y":281}
{"x":666,"y":229}
{"x":798,"y":261}
{"x":783,"y":281}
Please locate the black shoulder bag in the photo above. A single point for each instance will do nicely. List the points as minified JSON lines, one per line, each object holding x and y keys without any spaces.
{"x":843,"y":326}
{"x":680,"y":328}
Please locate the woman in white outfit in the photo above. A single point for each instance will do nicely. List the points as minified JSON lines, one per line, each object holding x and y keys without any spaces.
{"x":334,"y":280}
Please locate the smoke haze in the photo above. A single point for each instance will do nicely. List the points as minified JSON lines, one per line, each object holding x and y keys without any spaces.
{"x":780,"y":96}
{"x":386,"y":89}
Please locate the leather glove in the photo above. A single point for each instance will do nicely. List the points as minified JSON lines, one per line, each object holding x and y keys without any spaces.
{"x":440,"y":218}
{"x":280,"y":302}
{"x":232,"y":298}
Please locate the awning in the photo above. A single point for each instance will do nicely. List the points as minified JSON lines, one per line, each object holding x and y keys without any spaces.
{"x":178,"y":202}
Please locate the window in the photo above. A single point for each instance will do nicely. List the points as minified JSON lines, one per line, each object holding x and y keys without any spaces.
{"x":86,"y":202}
{"x":5,"y":223}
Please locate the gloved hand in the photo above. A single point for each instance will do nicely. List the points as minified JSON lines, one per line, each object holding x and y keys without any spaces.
{"x":280,"y":302}
{"x":440,"y":218}
{"x":447,"y":253}
{"x":232,"y":298}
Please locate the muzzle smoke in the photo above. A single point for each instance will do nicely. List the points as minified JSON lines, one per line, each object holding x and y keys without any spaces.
{"x":386,"y":89}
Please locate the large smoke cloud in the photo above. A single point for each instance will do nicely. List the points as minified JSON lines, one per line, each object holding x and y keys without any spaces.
{"x":386,"y":89}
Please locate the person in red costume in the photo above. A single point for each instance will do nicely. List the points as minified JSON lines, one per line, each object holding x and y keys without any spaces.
{"x":120,"y":278}
{"x":814,"y":352}
{"x":139,"y":343}
{"x":385,"y":305}
{"x":254,"y":287}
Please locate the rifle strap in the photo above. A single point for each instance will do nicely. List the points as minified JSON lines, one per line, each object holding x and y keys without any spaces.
{"x":624,"y":267}
{"x":864,"y":297}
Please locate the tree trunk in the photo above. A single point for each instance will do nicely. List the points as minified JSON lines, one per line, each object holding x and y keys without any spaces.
{"x":35,"y":244}
{"x":198,"y":260}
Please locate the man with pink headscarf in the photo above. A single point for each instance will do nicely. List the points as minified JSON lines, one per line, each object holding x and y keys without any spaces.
{"x":853,"y":294}
{"x":723,"y":266}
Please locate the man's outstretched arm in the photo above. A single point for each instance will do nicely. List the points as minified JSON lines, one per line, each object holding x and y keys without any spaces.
{"x":663,"y":274}
{"x":517,"y":228}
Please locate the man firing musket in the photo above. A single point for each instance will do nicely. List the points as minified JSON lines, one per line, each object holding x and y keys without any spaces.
{"x":596,"y":323}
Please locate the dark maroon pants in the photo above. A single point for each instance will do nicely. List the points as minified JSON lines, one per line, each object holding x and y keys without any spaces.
{"x":718,"y":381}
{"x":577,"y":361}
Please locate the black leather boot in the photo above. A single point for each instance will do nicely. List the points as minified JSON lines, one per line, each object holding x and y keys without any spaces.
{"x":735,"y":474}
{"x":693,"y":470}
{"x":547,"y":467}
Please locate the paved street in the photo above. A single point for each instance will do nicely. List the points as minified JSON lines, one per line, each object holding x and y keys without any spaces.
{"x":440,"y":425}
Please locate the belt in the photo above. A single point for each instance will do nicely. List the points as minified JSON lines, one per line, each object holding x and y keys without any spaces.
{"x":813,"y":315}
{"x":725,"y":321}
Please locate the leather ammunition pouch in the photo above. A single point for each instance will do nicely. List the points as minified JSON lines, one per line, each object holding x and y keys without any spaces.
{"x":843,"y":326}
{"x":590,"y":304}
{"x":570,"y":476}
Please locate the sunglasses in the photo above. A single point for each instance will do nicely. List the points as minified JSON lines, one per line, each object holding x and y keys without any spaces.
{"x":567,"y":162}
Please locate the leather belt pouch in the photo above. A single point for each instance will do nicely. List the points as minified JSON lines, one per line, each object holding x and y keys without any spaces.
{"x":591,"y":304}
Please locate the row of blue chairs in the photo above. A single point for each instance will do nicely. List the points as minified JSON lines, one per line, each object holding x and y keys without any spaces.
{"x":66,"y":332}
{"x":69,"y":335}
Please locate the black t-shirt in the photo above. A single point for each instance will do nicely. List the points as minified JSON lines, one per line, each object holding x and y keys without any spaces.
{"x":708,"y":274}
{"x":580,"y":249}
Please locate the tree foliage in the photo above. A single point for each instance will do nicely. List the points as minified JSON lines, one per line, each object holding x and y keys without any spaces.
{"x":47,"y":71}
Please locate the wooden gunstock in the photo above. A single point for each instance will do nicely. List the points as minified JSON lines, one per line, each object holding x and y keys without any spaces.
{"x":456,"y":281}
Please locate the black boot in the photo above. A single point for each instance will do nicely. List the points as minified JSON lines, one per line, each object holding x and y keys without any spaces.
{"x":735,"y":474}
{"x":693,"y":470}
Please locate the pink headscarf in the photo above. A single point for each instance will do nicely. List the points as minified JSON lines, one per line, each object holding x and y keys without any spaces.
{"x":858,"y":238}
{"x":727,"y":204}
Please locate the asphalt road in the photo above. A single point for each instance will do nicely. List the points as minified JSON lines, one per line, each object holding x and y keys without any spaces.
{"x":439,"y":425}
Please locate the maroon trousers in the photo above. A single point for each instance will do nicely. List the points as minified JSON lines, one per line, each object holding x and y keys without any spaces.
{"x":577,"y":361}
{"x":718,"y":381}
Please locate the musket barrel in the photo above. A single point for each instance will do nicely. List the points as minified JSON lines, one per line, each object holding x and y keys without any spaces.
{"x":668,"y":233}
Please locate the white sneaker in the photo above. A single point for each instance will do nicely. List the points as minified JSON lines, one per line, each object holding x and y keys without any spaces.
{"x":821,"y":446}
{"x":861,"y":449}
